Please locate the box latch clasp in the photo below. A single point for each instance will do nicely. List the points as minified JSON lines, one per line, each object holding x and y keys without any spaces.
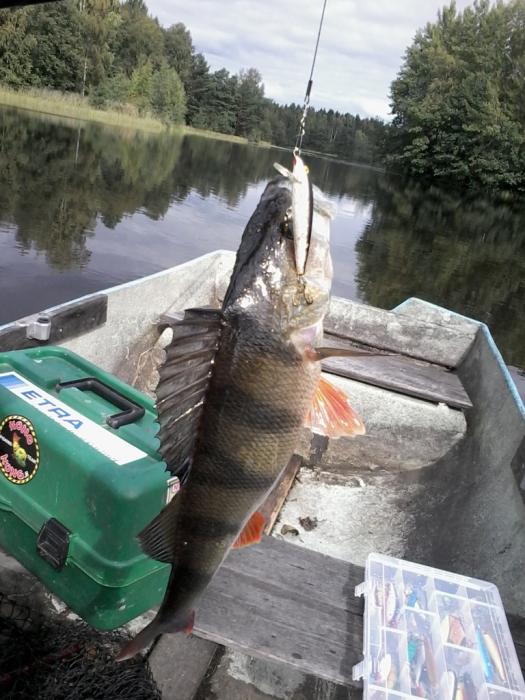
{"x":53,"y":543}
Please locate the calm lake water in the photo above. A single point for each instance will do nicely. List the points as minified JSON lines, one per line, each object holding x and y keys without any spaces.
{"x":83,"y":207}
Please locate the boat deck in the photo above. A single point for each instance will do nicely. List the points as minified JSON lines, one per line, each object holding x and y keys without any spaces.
{"x":280,"y":602}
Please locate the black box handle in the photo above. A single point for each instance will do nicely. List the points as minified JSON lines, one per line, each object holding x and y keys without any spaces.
{"x":131,"y":411}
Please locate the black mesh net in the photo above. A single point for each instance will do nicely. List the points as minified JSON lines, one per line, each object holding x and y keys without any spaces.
{"x":54,"y":658}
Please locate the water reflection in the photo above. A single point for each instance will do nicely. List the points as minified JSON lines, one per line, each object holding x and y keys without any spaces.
{"x":85,"y":207}
{"x":468,"y":255}
{"x":56,"y":181}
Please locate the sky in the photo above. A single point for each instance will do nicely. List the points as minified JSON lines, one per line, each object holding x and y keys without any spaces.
{"x":361,"y":49}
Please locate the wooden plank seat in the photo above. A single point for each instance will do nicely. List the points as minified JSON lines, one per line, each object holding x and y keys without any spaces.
{"x":399,"y":373}
{"x":282,"y":602}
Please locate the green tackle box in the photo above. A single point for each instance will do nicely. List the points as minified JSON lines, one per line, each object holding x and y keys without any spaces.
{"x":80,"y":476}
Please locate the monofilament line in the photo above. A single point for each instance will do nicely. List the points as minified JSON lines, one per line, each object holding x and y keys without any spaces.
{"x":306,"y":104}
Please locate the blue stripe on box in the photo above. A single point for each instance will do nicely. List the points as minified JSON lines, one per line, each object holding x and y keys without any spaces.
{"x":10,"y":380}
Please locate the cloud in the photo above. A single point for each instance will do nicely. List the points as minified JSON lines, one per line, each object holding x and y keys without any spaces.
{"x":360,"y":53}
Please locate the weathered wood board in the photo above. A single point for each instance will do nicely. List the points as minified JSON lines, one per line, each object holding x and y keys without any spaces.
{"x":405,"y":375}
{"x":292,"y":605}
{"x":289,"y":604}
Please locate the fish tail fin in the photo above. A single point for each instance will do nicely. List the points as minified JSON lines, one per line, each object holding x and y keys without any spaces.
{"x":147,"y":636}
{"x":141,"y":641}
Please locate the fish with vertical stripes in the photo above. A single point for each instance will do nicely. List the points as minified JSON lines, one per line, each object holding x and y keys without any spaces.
{"x":235,"y":390}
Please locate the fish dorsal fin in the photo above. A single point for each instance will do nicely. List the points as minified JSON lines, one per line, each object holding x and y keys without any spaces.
{"x":157,"y":539}
{"x":331,"y":414}
{"x":183,"y":382}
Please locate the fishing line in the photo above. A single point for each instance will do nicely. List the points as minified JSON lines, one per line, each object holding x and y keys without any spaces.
{"x":306,"y":104}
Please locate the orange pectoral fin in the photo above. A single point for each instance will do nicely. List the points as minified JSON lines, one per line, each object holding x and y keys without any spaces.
{"x":331,"y":413}
{"x":252,"y":532}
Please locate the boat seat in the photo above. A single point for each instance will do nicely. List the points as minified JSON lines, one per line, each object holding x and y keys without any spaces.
{"x":400,"y":373}
{"x":286,"y":603}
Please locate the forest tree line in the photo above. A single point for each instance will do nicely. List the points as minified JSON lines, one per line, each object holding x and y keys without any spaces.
{"x":120,"y":56}
{"x":458,"y":101}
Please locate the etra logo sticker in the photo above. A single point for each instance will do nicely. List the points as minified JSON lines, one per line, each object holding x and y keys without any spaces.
{"x":19,"y":451}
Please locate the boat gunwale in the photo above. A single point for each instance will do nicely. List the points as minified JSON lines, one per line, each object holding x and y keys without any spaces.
{"x":223,"y":254}
{"x":490,"y":341}
{"x":220,"y":253}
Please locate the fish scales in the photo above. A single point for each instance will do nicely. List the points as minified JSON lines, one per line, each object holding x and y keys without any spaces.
{"x":236,"y":463}
{"x":241,"y":448}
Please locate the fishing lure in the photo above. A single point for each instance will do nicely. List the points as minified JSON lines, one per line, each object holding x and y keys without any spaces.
{"x":378,"y":594}
{"x":469,"y":689}
{"x":494,"y":654}
{"x":459,"y":693}
{"x":390,"y":603}
{"x":452,"y":630}
{"x":452,"y":685}
{"x":392,"y":677}
{"x":445,"y":628}
{"x":411,"y":598}
{"x":416,"y":597}
{"x":384,"y":667}
{"x":417,"y":663}
{"x":421,"y":599}
{"x":420,"y":691}
{"x":411,"y":648}
{"x":430,"y":663}
{"x":488,"y":669}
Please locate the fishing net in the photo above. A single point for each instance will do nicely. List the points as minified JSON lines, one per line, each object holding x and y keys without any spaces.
{"x":55,"y":658}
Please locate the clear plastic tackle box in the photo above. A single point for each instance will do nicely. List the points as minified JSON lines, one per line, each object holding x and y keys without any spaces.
{"x":432,"y":634}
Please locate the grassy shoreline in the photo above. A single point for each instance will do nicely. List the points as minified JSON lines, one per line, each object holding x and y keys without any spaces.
{"x":78,"y":108}
{"x":74,"y":107}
